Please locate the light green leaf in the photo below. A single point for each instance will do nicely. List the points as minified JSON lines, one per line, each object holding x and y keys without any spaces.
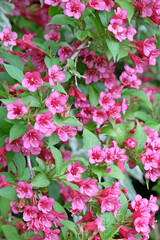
{"x":14,"y":72}
{"x":18,"y":130}
{"x":141,"y":137}
{"x":82,"y":34}
{"x":10,"y":232}
{"x":89,"y":139}
{"x":41,"y":180}
{"x":126,"y":5}
{"x":93,"y":96}
{"x":9,"y":193}
{"x":109,"y":223}
{"x":58,"y":159}
{"x":113,"y":46}
{"x":62,"y":19}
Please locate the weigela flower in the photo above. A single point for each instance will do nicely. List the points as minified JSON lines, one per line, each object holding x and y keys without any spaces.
{"x":8,"y":37}
{"x":101,"y":63}
{"x":3,"y":160}
{"x":90,"y":59}
{"x":91,"y":76}
{"x":89,"y":187}
{"x":3,"y":182}
{"x":32,"y":81}
{"x":97,"y":4}
{"x":108,"y":5}
{"x":53,"y":35}
{"x":100,"y":116}
{"x":45,"y":204}
{"x":65,"y":132}
{"x":14,"y":146}
{"x":78,"y":201}
{"x":74,"y":173}
{"x":96,"y":154}
{"x":65,"y":52}
{"x":74,"y":8}
{"x":56,"y":102}
{"x":95,"y":225}
{"x":44,"y":123}
{"x":16,"y":109}
{"x":106,"y":100}
{"x":29,"y":213}
{"x":32,"y":139}
{"x":52,"y":234}
{"x":24,"y":190}
{"x":52,"y":2}
{"x":130,"y":142}
{"x":55,"y":75}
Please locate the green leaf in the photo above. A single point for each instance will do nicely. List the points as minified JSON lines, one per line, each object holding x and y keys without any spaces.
{"x":10,"y":232}
{"x":115,"y":172}
{"x":141,"y":137}
{"x":18,"y":130}
{"x":54,"y":190}
{"x":41,"y":163}
{"x":14,"y":72}
{"x":125,"y":4}
{"x":70,"y":226}
{"x":51,"y":61}
{"x":10,"y":155}
{"x":122,"y":53}
{"x":53,"y":139}
{"x":100,"y":171}
{"x":6,"y":7}
{"x":9,"y":193}
{"x":141,"y":95}
{"x":121,"y":132}
{"x":8,"y":176}
{"x":141,"y":115}
{"x":58,"y":159}
{"x":20,"y":162}
{"x":109,"y":223}
{"x":72,"y":121}
{"x":93,"y":96}
{"x":31,"y":100}
{"x":113,"y":46}
{"x":58,"y":207}
{"x":14,"y":60}
{"x":4,"y":206}
{"x":41,"y":180}
{"x":109,"y":130}
{"x":61,"y":19}
{"x":82,"y":34}
{"x":70,"y":63}
{"x":89,"y":139}
{"x":4,"y":126}
{"x":121,"y":214}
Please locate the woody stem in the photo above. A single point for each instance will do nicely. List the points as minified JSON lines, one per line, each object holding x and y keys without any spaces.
{"x":30,"y":167}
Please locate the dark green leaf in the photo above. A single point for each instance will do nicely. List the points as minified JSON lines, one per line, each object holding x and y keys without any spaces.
{"x":14,"y":72}
{"x":54,"y":190}
{"x":93,"y":96}
{"x":41,"y":180}
{"x":17,"y":131}
{"x":14,"y":60}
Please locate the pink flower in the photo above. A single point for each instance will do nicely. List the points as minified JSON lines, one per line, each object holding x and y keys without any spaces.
{"x":56,"y":102}
{"x":90,"y":59}
{"x":8,"y":37}
{"x":52,"y":2}
{"x":106,"y":100}
{"x":29,"y":213}
{"x":74,"y":8}
{"x":32,"y":139}
{"x":53,"y":35}
{"x":140,"y":63}
{"x":91,"y":76}
{"x":32,"y":81}
{"x":55,"y":75}
{"x":14,"y":207}
{"x":65,"y":132}
{"x":24,"y":190}
{"x":44,"y":123}
{"x":100,"y":116}
{"x":152,"y":204}
{"x":16,"y":109}
{"x":130,"y":33}
{"x":52,"y":234}
{"x":96,"y":154}
{"x":141,"y":225}
{"x":78,"y":201}
{"x":97,"y":4}
{"x":3,"y":160}
{"x":101,"y":63}
{"x":108,"y":5}
{"x":130,"y":142}
{"x":74,"y":172}
{"x":3,"y":182}
{"x":45,"y":204}
{"x":14,"y":146}
{"x":95,"y":225}
{"x":89,"y":187}
{"x":65,"y":52}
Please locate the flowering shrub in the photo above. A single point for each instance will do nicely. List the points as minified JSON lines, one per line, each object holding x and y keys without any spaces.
{"x":79,"y":115}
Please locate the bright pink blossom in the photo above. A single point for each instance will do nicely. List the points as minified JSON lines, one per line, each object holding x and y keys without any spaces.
{"x":32,"y":139}
{"x":53,"y":35}
{"x":96,"y":154}
{"x":56,"y":102}
{"x":45,"y":204}
{"x":106,"y":100}
{"x":130,"y":142}
{"x":65,"y":132}
{"x":52,"y":234}
{"x":65,"y":52}
{"x":74,"y":8}
{"x":32,"y":81}
{"x":97,"y":4}
{"x":29,"y":213}
{"x":100,"y":116}
{"x":24,"y":190}
{"x":44,"y":123}
{"x":3,"y":160}
{"x":90,"y":59}
{"x":52,"y":2}
{"x":74,"y":173}
{"x":16,"y":109}
{"x":95,"y":225}
{"x":55,"y":75}
{"x":14,"y":146}
{"x":8,"y":37}
{"x":89,"y":187}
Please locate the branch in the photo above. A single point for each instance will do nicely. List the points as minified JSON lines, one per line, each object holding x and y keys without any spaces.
{"x":75,"y":54}
{"x":30,"y":167}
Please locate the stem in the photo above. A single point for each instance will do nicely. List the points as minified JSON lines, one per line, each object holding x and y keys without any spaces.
{"x":30,"y":167}
{"x":75,"y":54}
